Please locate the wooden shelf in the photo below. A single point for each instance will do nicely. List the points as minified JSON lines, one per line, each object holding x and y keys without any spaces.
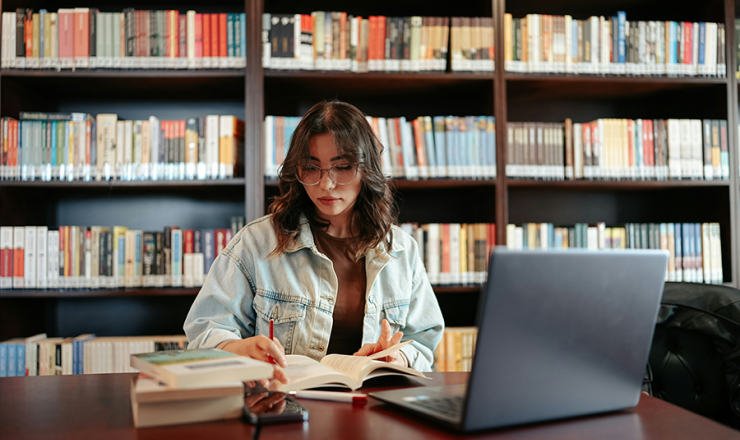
{"x":87,"y":293}
{"x":613,"y":185}
{"x":381,"y":76}
{"x":543,"y":87}
{"x":510,"y":76}
{"x":124,"y":73}
{"x":149,"y":184}
{"x":127,"y":84}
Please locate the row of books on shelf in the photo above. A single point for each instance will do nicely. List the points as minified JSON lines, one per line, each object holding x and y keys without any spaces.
{"x":695,"y":249}
{"x":454,"y":253}
{"x":425,"y":147}
{"x":85,"y":38}
{"x":100,"y":257}
{"x":619,"y":149}
{"x":455,"y":350}
{"x":337,"y":41}
{"x":85,"y":354}
{"x":80,"y":146}
{"x":613,"y":45}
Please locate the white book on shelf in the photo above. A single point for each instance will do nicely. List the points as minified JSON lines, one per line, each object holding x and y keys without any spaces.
{"x":697,"y":150}
{"x":386,"y":154}
{"x":674,"y":148}
{"x":198,"y":269}
{"x":29,"y":265}
{"x":42,"y":257}
{"x":270,"y":168}
{"x":212,"y":141}
{"x":187,"y":270}
{"x":687,"y":158}
{"x":433,"y":258}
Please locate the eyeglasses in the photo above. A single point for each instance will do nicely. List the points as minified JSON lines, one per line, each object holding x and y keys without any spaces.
{"x":340,"y":174}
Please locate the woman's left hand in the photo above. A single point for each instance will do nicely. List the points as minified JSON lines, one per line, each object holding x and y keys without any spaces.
{"x":386,"y":340}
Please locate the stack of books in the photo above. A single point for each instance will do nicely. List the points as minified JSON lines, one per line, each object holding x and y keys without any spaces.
{"x":190,"y":386}
{"x":619,"y":149}
{"x":79,"y":146}
{"x":695,"y":249}
{"x":423,"y":148}
{"x":613,"y":46}
{"x":85,"y":38}
{"x":341,"y":42}
{"x":100,"y":257}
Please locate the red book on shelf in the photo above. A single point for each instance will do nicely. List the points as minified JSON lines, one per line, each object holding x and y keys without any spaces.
{"x":28,"y":33}
{"x":65,"y":22}
{"x":206,"y":35}
{"x":687,"y":43}
{"x":214,"y":35}
{"x":222,"y":39}
{"x":397,"y":127}
{"x":380,"y":54}
{"x":373,"y":24}
{"x":198,"y":35}
{"x":168,"y":33}
{"x":187,"y":238}
{"x":445,"y":248}
{"x":6,"y":262}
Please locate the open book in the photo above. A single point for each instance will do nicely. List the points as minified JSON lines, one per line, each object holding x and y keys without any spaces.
{"x":340,"y":370}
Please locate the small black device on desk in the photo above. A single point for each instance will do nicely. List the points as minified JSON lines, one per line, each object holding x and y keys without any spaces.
{"x":262,"y":407}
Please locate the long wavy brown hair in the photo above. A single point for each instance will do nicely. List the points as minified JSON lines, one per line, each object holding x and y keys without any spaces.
{"x":375,"y":208}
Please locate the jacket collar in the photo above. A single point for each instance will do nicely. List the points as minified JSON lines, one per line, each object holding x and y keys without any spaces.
{"x":305,"y":240}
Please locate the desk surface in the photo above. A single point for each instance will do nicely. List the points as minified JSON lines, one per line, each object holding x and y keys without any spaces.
{"x":98,"y":406}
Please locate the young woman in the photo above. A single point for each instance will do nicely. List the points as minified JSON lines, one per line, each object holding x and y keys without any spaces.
{"x":327,"y":265}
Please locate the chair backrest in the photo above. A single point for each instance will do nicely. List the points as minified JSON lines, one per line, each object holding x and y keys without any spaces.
{"x":695,"y":356}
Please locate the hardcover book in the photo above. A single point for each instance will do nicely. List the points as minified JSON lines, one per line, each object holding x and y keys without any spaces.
{"x":193,"y":368}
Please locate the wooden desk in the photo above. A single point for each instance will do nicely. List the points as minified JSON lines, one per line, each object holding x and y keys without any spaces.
{"x":98,"y":407}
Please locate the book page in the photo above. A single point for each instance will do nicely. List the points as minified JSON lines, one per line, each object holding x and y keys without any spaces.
{"x":305,"y":372}
{"x":352,"y":366}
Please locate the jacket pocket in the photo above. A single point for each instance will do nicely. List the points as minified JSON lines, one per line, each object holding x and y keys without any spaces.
{"x":396,"y":313}
{"x":286,"y":316}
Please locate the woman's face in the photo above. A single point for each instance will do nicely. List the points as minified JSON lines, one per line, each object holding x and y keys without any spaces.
{"x":333,"y":202}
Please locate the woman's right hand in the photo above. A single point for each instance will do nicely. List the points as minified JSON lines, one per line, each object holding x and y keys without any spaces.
{"x":263,"y":349}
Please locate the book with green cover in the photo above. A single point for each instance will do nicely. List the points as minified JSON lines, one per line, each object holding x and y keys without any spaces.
{"x":191,"y":368}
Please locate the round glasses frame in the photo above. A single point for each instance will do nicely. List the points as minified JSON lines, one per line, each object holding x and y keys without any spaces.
{"x":330,"y":171}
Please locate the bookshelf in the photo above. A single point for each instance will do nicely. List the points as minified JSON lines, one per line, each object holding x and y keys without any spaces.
{"x":253,"y":92}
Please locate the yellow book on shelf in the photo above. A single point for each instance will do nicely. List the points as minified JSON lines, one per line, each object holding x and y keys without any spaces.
{"x":36,"y":26}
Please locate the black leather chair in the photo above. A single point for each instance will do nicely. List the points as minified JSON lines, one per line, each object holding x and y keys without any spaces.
{"x":695,"y":357}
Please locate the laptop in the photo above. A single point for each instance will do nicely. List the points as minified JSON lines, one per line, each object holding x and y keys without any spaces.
{"x":560,"y":334}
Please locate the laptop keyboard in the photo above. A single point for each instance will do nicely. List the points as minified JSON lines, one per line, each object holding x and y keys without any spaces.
{"x":449,"y":406}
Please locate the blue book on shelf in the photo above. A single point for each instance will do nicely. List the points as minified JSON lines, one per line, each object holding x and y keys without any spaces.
{"x":243,"y":35}
{"x":429,"y":144}
{"x":208,"y":247}
{"x":3,"y":360}
{"x":678,"y":251}
{"x":473,"y":159}
{"x":574,"y":41}
{"x":54,"y":143}
{"x":230,"y":35}
{"x":451,"y":142}
{"x":672,"y":42}
{"x":621,"y":22}
{"x":698,"y":251}
{"x":78,"y":353}
{"x":702,"y":41}
{"x":11,"y":354}
{"x":20,"y":358}
{"x":492,"y":141}
{"x":688,"y":251}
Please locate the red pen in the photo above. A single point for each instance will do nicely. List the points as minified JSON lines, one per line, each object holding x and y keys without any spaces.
{"x":272,"y":339}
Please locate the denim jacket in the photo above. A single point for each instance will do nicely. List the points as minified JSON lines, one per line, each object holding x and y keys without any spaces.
{"x":245,"y":288}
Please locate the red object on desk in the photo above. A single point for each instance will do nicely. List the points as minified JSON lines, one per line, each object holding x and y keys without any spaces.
{"x":272,"y":339}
